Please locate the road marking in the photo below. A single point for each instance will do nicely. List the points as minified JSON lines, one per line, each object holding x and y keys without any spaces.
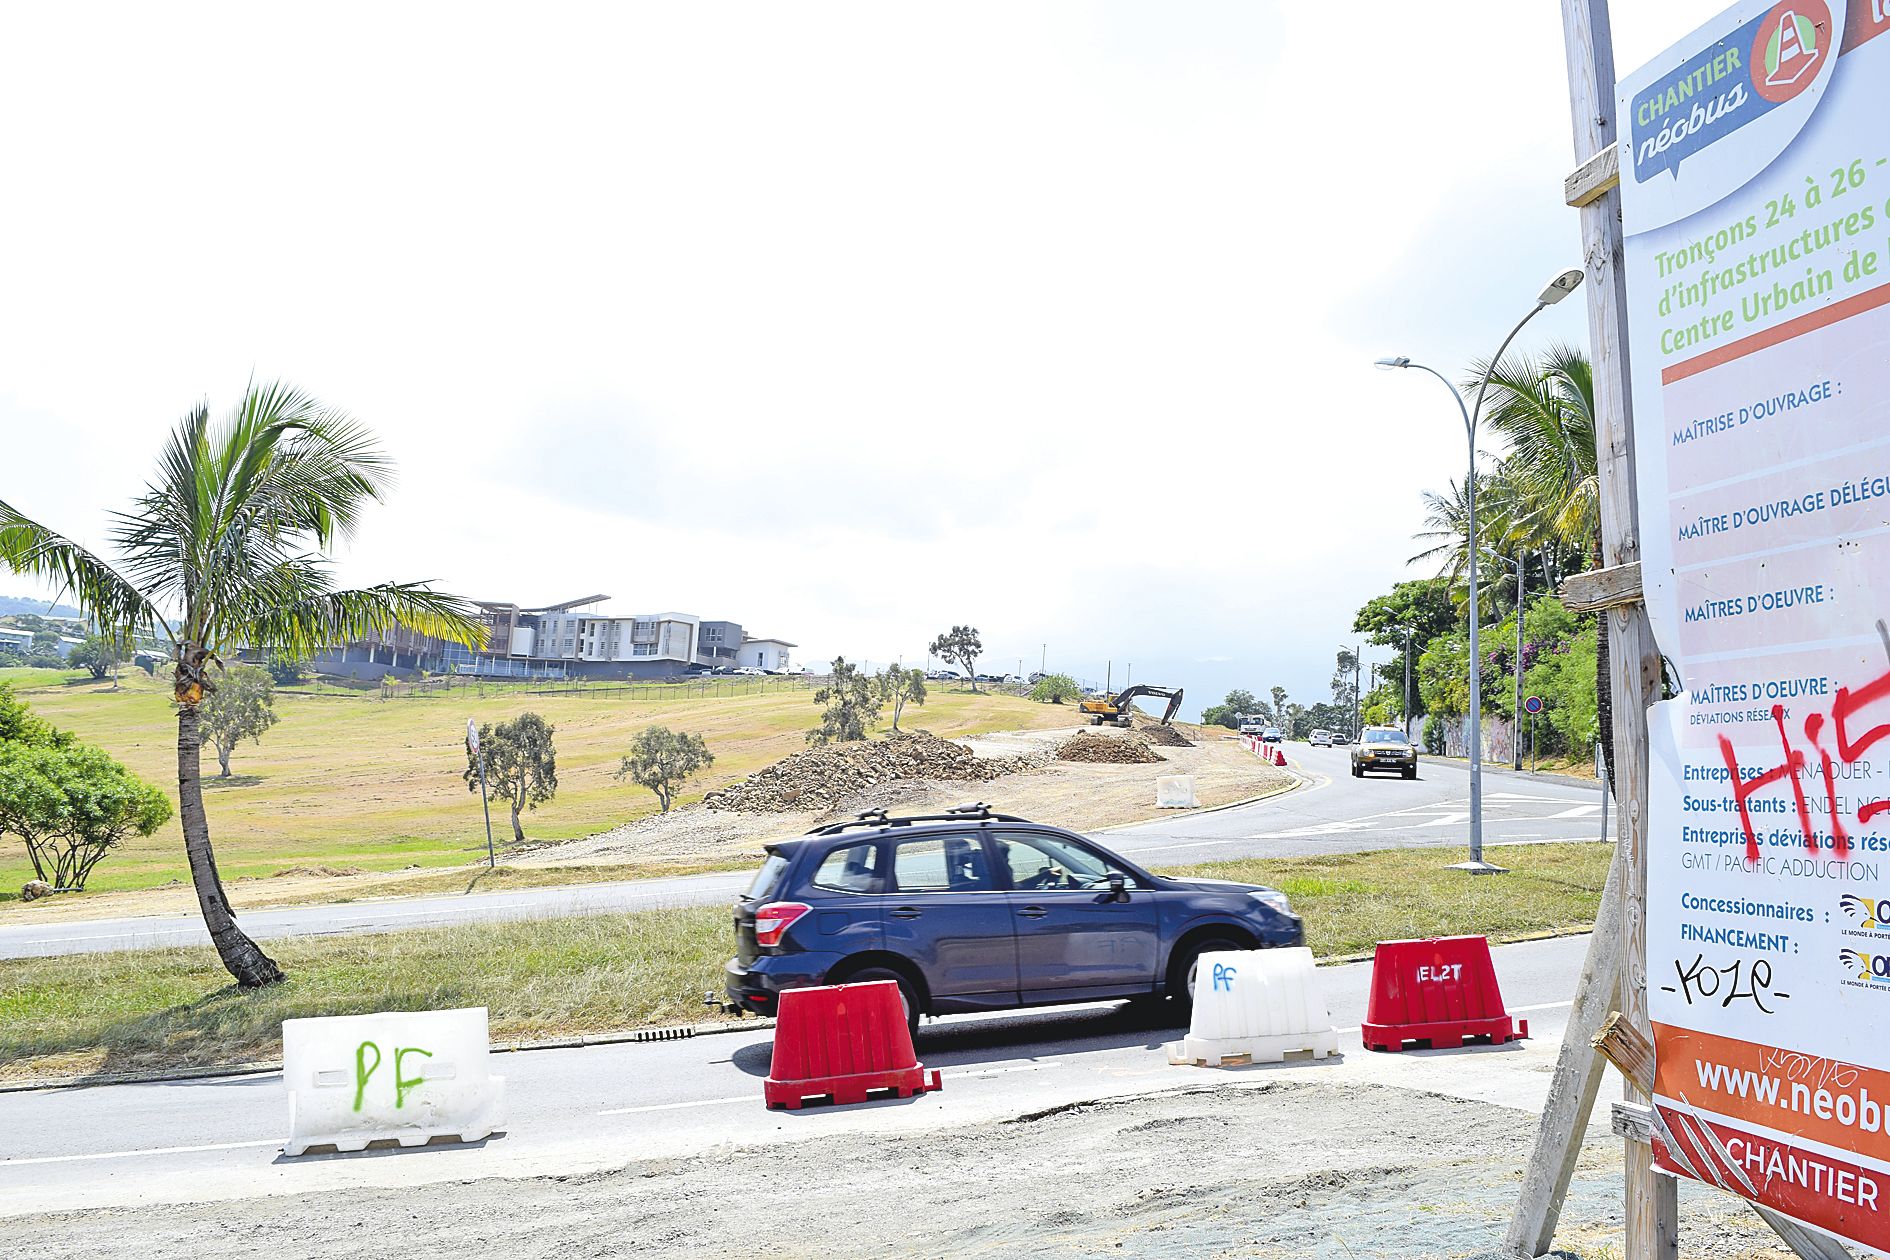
{"x":1447,"y":820}
{"x":158,"y":1150}
{"x":1579,"y":811}
{"x":676,"y":1106}
{"x":748,"y":1098}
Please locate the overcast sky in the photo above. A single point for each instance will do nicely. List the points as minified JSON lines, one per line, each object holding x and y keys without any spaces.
{"x":845,"y":321}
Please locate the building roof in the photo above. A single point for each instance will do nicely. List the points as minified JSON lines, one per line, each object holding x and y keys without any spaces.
{"x":747,"y":639}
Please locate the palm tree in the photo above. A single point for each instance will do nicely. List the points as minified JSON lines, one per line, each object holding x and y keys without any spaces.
{"x":1545,"y":408}
{"x":224,"y":550}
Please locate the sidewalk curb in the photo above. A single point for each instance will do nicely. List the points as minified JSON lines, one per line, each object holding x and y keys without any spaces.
{"x":1299,"y":781}
{"x":262,"y":1067}
{"x":1569,"y":780}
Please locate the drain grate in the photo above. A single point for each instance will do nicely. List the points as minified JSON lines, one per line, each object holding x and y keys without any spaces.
{"x":675,"y":1033}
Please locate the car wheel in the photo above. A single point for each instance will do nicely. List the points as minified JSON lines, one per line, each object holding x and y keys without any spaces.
{"x":1181,"y":968}
{"x":1411,"y":773}
{"x":908,"y":991}
{"x":1358,"y":772}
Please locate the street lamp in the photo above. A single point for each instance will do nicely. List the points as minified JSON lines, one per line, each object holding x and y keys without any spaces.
{"x":1553,"y":292}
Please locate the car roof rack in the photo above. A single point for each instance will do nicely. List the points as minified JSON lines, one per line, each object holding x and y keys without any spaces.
{"x":979,"y":812}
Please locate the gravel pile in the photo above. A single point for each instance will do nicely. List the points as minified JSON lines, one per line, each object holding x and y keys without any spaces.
{"x":1095,"y":746}
{"x":1164,"y":736}
{"x":823,"y":778}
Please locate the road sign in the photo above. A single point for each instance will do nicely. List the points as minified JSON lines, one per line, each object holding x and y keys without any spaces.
{"x":1532,"y":705}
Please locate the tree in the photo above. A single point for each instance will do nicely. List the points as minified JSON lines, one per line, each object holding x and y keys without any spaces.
{"x":663,"y":760}
{"x":242,"y":707}
{"x":961,"y":646}
{"x":20,"y":725}
{"x":1345,"y":679}
{"x":521,"y":764}
{"x":286,"y":669}
{"x":72,"y":804}
{"x":1055,"y":689}
{"x":1239,"y":702}
{"x":899,"y":687}
{"x":226,"y":548}
{"x":852,"y":705}
{"x":1280,"y":707}
{"x":96,"y":655}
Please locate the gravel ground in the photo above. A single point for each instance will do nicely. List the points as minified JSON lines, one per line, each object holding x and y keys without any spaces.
{"x":1285,"y":1169}
{"x":1088,"y":797}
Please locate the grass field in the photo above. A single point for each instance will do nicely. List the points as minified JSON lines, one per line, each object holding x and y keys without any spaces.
{"x":347,"y":779}
{"x":175,"y":1007}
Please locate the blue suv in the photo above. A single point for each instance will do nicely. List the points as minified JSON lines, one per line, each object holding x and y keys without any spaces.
{"x":974,"y":911}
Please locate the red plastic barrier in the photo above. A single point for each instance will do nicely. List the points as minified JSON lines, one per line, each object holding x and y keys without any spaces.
{"x":843,"y":1042}
{"x":1437,"y":992}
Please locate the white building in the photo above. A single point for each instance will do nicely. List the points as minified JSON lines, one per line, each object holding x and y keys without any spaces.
{"x":770,"y":654}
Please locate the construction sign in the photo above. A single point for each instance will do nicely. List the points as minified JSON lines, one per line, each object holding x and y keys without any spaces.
{"x":1755,"y":193}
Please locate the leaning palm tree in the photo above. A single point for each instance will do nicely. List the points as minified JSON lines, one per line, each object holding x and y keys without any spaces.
{"x":225,"y":550}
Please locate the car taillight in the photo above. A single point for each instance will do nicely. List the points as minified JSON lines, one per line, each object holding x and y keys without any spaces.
{"x":775,"y":918}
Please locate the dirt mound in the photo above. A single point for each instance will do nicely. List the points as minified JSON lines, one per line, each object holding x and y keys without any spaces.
{"x":1164,"y":736}
{"x":822,"y":778}
{"x":1114,"y":749}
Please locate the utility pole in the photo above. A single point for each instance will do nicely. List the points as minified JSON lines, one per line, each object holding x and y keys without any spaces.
{"x":1358,"y":691}
{"x":1407,"y":682}
{"x":1043,"y":659}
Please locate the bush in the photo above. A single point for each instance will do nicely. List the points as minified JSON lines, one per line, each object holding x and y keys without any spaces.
{"x":1433,"y":735}
{"x":1055,"y":689}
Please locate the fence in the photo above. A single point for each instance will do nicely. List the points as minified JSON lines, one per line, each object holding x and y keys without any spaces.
{"x":655,"y":689}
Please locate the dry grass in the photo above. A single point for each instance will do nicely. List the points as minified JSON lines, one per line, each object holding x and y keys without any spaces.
{"x":175,"y":1007}
{"x":350,"y":780}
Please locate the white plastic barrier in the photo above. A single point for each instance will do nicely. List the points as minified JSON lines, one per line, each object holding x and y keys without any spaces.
{"x":1256,"y":1006}
{"x":1175,"y":791}
{"x":408,"y":1077}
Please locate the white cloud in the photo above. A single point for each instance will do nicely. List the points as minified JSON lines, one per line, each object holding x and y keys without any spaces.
{"x":848,"y":321}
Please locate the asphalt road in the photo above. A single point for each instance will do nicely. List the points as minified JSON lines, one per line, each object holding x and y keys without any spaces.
{"x":1331,"y":812}
{"x":581,"y":1110}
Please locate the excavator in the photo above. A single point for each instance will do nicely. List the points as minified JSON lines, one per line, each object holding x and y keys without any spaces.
{"x":1119,"y":709}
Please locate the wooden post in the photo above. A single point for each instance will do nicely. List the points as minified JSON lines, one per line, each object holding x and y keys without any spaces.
{"x":1573,"y":1088}
{"x":1652,"y":1205}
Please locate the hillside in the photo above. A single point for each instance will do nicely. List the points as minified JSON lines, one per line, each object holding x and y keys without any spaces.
{"x":351,"y":780}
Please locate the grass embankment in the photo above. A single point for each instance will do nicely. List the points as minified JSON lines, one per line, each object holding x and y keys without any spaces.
{"x":349,"y":780}
{"x":552,"y":977}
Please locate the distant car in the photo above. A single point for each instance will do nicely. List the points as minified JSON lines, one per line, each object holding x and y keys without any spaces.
{"x":697,"y":671}
{"x":1272,"y":735}
{"x":1384,"y":748}
{"x":749,"y":671}
{"x":973,"y":911}
{"x":944,"y":675}
{"x":1320,"y":739}
{"x":991,"y":678}
{"x":1340,"y":739}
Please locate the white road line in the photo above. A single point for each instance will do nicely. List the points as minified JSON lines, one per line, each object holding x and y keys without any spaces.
{"x":158,"y":1150}
{"x":677,"y":1106}
{"x":748,"y":1098}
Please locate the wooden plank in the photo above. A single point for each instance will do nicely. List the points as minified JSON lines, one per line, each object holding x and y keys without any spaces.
{"x":1629,"y":1049}
{"x":1617,"y":587}
{"x":1652,"y":1204}
{"x":1594,"y":178}
{"x":1575,"y":1084}
{"x":1632,"y":1121}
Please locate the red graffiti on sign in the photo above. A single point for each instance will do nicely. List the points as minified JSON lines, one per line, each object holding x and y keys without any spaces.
{"x":1850,"y":750}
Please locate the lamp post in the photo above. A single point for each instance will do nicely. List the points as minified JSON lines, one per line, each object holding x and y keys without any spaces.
{"x":1553,"y":292}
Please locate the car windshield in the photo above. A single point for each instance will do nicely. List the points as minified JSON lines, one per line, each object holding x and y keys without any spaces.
{"x":1383,"y":737}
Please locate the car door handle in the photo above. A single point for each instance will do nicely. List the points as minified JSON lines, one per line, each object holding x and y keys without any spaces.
{"x":904,"y":912}
{"x":1032,"y":912}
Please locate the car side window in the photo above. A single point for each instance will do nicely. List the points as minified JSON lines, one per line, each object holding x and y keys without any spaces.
{"x":1046,"y":863}
{"x":853,"y":868}
{"x":942,"y":864}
